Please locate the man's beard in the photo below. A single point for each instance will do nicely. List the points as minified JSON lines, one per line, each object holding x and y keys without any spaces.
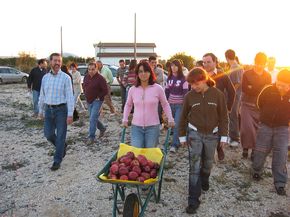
{"x":56,"y":67}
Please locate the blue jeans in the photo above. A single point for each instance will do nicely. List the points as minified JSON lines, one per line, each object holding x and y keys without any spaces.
{"x":55,"y":128}
{"x":201,"y":149}
{"x":94,"y":111}
{"x":176,"y":112}
{"x":275,"y":139}
{"x":35,"y":97}
{"x":146,"y":137}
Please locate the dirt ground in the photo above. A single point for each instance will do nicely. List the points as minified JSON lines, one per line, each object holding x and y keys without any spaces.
{"x":29,"y":188}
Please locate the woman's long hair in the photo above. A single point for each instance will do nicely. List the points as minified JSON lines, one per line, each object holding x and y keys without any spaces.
{"x":132,"y":65}
{"x":147,"y":68}
{"x":179,"y":71}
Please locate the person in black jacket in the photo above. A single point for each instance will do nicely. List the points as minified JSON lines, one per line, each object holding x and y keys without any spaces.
{"x":273,"y":132}
{"x":223,"y":83}
{"x":253,"y":82}
{"x":34,"y":83}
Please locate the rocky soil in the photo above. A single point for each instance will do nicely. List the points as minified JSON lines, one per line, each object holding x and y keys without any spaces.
{"x":29,"y":188}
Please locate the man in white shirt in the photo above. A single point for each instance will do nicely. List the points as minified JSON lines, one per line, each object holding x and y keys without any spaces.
{"x":271,"y":68}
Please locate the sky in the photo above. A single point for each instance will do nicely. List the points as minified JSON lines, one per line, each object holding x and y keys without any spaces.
{"x":191,"y":26}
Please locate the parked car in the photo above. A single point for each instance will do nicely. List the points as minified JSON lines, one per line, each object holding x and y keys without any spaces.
{"x":9,"y":75}
{"x":115,"y":86}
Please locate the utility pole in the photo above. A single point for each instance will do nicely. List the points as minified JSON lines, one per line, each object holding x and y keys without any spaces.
{"x":61,"y":51}
{"x":135,"y":45}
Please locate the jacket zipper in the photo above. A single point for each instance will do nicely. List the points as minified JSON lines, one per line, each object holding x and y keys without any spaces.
{"x":204,"y":110}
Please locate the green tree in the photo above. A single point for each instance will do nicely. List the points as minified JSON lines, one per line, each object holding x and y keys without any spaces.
{"x":25,"y":62}
{"x":68,"y":60}
{"x":188,"y":61}
{"x":11,"y":61}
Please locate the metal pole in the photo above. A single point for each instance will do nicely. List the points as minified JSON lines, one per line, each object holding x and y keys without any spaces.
{"x":61,"y":51}
{"x":135,"y":45}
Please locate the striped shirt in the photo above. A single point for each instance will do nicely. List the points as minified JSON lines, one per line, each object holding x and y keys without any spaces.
{"x":55,"y":90}
{"x":175,"y":89}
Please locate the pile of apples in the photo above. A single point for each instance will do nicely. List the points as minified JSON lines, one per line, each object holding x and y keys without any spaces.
{"x":129,"y":167}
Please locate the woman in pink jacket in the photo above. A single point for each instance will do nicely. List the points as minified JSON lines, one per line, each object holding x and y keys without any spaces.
{"x":145,"y":96}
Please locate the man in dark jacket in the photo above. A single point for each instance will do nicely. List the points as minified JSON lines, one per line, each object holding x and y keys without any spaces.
{"x":34,"y":83}
{"x":273,"y":132}
{"x":223,"y":83}
{"x":235,"y":74}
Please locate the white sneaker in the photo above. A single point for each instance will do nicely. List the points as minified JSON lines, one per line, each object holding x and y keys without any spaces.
{"x":234,"y":144}
{"x":172,"y":149}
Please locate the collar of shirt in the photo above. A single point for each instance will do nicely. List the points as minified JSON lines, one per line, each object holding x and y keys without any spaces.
{"x":59,"y":71}
{"x":214,"y":72}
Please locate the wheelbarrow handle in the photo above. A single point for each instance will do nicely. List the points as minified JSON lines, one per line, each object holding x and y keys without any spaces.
{"x":123,"y":135}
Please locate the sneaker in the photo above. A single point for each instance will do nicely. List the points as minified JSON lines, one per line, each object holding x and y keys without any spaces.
{"x":234,"y":144}
{"x":102,"y":133}
{"x":220,"y":152}
{"x":281,"y":191}
{"x":90,"y":141}
{"x":191,"y":209}
{"x":55,"y":166}
{"x":257,"y":177}
{"x":172,"y":149}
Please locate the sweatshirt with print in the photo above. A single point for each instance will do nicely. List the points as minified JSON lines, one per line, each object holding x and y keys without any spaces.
{"x":175,"y":89}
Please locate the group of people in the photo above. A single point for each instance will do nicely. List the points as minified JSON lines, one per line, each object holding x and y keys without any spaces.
{"x":206,"y":107}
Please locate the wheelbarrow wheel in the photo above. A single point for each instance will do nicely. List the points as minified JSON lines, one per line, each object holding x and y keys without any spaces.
{"x":131,"y":206}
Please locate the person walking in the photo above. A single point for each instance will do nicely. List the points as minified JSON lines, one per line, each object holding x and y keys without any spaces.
{"x":107,"y":74}
{"x":121,"y":73}
{"x":56,"y":105}
{"x":253,"y":81}
{"x":95,"y":89}
{"x":235,"y":74}
{"x":145,"y":97}
{"x":273,"y":132}
{"x":130,"y":77}
{"x":34,"y":83}
{"x":203,"y":125}
{"x":223,"y":83}
{"x":175,"y":90}
{"x":77,"y":85}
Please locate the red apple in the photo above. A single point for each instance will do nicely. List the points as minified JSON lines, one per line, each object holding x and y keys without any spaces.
{"x":132,"y":175}
{"x":123,"y":171}
{"x":137,"y":169}
{"x":153,"y":173}
{"x":145,"y":175}
{"x":124,"y":177}
{"x":131,"y":155}
{"x":114,"y":169}
{"x":134,"y":163}
{"x":140,"y":179}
